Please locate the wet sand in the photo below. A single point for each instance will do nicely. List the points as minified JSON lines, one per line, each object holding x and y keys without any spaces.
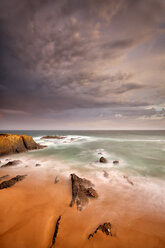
{"x":29,"y":211}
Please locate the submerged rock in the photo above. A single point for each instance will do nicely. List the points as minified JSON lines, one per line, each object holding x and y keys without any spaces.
{"x":115,"y":161}
{"x":106,"y":174}
{"x":105,"y":228}
{"x":128,"y":180}
{"x":56,"y":179}
{"x":11,"y":163}
{"x":12,"y":181}
{"x":38,"y":165}
{"x":11,"y":143}
{"x":53,"y":137}
{"x":103,"y":160}
{"x":81,"y":191}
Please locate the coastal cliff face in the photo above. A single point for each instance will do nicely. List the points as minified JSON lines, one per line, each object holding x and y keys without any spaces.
{"x":10,"y":143}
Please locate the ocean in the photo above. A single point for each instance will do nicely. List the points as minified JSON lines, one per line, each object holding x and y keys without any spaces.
{"x":140,"y":153}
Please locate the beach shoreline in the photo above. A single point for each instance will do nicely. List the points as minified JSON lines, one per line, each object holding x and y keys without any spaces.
{"x":29,"y":211}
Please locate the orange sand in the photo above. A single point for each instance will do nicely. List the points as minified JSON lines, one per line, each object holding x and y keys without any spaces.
{"x":29,"y":211}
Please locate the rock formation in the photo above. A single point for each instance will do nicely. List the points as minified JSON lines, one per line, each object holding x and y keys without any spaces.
{"x":10,"y":143}
{"x":56,"y":231}
{"x":11,"y":182}
{"x":81,"y":191}
{"x":11,"y":163}
{"x":115,"y":161}
{"x":103,"y":160}
{"x":105,"y":228}
{"x":53,"y":137}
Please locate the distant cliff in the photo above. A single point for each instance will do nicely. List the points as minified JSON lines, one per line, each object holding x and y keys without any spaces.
{"x":10,"y":143}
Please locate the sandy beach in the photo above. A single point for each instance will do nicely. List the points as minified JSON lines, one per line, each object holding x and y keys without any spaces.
{"x":29,"y":211}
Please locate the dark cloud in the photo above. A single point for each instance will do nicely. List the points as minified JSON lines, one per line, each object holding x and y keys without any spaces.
{"x":69,"y":54}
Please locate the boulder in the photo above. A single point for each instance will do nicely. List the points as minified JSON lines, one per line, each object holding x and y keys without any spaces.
{"x":81,"y":191}
{"x":103,"y":160}
{"x":115,"y":161}
{"x":11,"y":163}
{"x":105,"y":228}
{"x":11,"y":143}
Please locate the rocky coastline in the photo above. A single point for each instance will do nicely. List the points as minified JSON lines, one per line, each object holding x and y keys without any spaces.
{"x":11,"y":143}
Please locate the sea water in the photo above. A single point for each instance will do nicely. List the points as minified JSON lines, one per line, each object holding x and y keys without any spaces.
{"x":140,"y":153}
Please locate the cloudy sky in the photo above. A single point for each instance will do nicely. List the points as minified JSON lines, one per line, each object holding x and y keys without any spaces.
{"x":82,"y":64}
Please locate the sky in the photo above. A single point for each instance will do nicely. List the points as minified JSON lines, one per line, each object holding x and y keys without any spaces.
{"x":82,"y":64}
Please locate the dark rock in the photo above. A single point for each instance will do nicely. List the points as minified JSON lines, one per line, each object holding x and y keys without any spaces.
{"x":10,"y":143}
{"x":53,"y":137}
{"x":56,"y":231}
{"x":128,"y":180}
{"x":115,"y":161}
{"x":103,"y":160}
{"x":56,"y":179}
{"x":38,"y":165}
{"x":106,"y":174}
{"x":11,"y":163}
{"x":105,"y":228}
{"x":81,"y":191}
{"x":12,"y":181}
{"x":3,"y":177}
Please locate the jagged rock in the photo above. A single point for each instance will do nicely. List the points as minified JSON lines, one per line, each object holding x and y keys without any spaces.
{"x":105,"y":228}
{"x":103,"y":160}
{"x":115,"y":161}
{"x":81,"y":191}
{"x":128,"y":180}
{"x":3,"y":177}
{"x":12,"y":181}
{"x":106,"y":174}
{"x":56,"y":179}
{"x":11,"y":143}
{"x":53,"y":137}
{"x":11,"y":163}
{"x":38,"y":165}
{"x":56,"y":231}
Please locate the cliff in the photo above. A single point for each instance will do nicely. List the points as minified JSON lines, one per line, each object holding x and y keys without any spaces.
{"x":10,"y":143}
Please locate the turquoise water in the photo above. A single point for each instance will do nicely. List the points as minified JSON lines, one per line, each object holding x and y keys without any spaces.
{"x":139,"y":152}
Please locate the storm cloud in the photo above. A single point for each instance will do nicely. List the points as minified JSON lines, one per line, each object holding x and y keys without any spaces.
{"x":82,"y":62}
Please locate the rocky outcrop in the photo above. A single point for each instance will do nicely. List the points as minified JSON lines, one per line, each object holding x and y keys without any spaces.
{"x":53,"y":137}
{"x":11,"y":163}
{"x":56,"y":231}
{"x":10,"y":143}
{"x":103,"y":160}
{"x":81,"y":191}
{"x":105,"y":228}
{"x":11,"y":182}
